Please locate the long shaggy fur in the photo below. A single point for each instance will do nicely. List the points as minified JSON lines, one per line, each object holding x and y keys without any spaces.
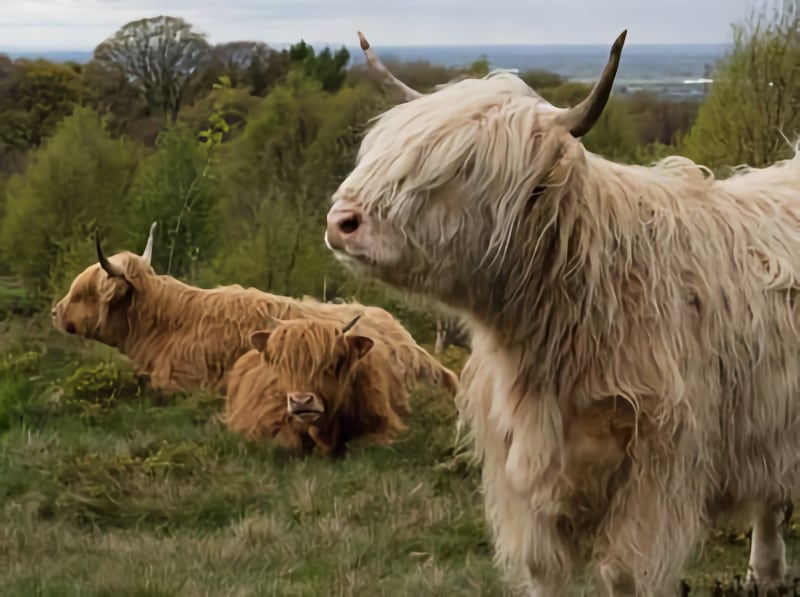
{"x":635,"y":324}
{"x":185,"y":338}
{"x":363,"y":397}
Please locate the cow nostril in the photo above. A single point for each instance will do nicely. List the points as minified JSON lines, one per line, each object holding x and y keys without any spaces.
{"x":350,"y":224}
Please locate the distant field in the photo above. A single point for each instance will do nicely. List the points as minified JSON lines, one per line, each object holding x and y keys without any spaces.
{"x":112,"y":489}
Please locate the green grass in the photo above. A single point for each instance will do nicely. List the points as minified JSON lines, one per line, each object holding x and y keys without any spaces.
{"x":14,"y":300}
{"x":112,"y":489}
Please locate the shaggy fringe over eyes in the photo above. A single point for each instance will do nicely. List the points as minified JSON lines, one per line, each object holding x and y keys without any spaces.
{"x":305,"y":348}
{"x":412,"y":150}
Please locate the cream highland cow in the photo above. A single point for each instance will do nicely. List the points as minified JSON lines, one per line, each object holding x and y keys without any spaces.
{"x":636,"y":357}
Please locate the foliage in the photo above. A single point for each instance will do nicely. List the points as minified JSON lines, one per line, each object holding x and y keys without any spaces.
{"x":17,"y":370}
{"x":118,"y":98}
{"x":248,"y":65}
{"x":175,"y":188}
{"x":541,"y":79}
{"x":275,"y":182}
{"x":93,"y":389}
{"x":754,"y":104}
{"x":77,"y":179}
{"x":661,"y":120}
{"x":34,"y":97}
{"x":223,"y":111}
{"x":326,"y":67}
{"x":235,"y":60}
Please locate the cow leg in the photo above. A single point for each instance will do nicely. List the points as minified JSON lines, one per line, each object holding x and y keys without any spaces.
{"x":531,"y":537}
{"x":549,"y":560}
{"x":653,"y":523}
{"x":767,"y":566}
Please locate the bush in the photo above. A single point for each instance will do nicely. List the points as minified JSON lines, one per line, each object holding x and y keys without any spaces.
{"x":78,"y":178}
{"x":19,"y":392}
{"x":752,"y":107}
{"x":92,"y":390}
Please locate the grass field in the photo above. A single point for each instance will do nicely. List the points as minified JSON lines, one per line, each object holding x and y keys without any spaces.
{"x":112,"y":489}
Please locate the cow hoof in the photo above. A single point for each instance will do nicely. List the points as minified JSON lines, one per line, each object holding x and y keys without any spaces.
{"x":766,"y":587}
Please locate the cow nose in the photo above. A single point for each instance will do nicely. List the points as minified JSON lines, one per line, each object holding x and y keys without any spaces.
{"x":301,"y":398}
{"x":53,"y":311}
{"x":341,"y":223}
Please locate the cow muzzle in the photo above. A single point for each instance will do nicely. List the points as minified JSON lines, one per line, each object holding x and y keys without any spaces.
{"x":343,"y":224}
{"x":306,"y":406}
{"x":57,"y":317}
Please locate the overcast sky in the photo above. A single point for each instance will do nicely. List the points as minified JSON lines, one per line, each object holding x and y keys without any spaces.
{"x":82,"y":24}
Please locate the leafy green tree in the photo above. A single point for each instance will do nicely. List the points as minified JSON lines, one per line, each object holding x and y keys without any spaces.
{"x":246,"y":64}
{"x":34,"y":97}
{"x":326,"y":67}
{"x":160,"y":55}
{"x":276,"y":181}
{"x":754,"y":103}
{"x":225,"y":103}
{"x":119,"y":99}
{"x":77,"y":180}
{"x":264,"y":73}
{"x":174,"y":188}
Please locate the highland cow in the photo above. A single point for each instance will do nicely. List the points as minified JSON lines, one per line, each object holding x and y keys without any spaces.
{"x":186,"y":338}
{"x":634,"y":372}
{"x":310,"y":383}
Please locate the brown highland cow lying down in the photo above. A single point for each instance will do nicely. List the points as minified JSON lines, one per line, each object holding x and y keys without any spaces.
{"x":186,"y":338}
{"x":313,"y":383}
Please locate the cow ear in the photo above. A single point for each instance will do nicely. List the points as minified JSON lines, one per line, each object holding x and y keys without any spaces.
{"x":259,"y":340}
{"x":360,"y":345}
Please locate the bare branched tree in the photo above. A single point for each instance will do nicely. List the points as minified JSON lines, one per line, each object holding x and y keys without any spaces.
{"x":159,"y":55}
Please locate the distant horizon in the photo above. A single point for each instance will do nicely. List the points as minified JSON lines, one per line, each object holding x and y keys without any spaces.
{"x":676,"y":69}
{"x":62,"y":49}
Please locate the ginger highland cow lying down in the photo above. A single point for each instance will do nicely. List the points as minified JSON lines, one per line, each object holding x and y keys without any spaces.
{"x":318,"y":383}
{"x":186,"y":338}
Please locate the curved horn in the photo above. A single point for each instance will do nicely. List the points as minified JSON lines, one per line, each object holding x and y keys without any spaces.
{"x":350,"y":325}
{"x":581,"y":118}
{"x":148,"y":249}
{"x":375,"y":63}
{"x":111,"y":270}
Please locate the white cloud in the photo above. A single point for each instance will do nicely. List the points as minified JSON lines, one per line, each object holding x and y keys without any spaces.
{"x":82,"y":24}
